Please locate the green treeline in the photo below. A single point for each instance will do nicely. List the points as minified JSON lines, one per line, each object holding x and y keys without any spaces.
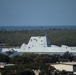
{"x":57,"y":37}
{"x":27,"y":62}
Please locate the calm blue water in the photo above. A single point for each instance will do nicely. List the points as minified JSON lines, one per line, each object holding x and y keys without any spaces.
{"x":35,"y":27}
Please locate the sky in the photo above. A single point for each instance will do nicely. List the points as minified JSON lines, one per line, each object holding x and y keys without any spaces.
{"x":37,"y":12}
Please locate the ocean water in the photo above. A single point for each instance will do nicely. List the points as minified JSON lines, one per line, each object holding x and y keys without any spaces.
{"x":35,"y":27}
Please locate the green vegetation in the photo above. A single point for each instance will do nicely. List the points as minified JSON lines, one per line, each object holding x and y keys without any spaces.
{"x":4,"y":58}
{"x":27,"y":62}
{"x":58,"y":37}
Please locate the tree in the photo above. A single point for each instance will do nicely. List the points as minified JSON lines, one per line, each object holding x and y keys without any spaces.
{"x":4,"y":58}
{"x":43,"y":58}
{"x":47,"y":70}
{"x":68,"y":56}
{"x":63,"y":72}
{"x":21,"y":60}
{"x":26,"y":72}
{"x":7,"y":72}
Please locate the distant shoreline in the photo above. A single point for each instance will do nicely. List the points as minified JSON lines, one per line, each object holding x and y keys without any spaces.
{"x":36,"y":27}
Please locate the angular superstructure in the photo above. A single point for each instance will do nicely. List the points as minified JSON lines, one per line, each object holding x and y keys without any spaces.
{"x":40,"y":44}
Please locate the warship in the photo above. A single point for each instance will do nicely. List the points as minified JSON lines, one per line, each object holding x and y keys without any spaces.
{"x":41,"y":44}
